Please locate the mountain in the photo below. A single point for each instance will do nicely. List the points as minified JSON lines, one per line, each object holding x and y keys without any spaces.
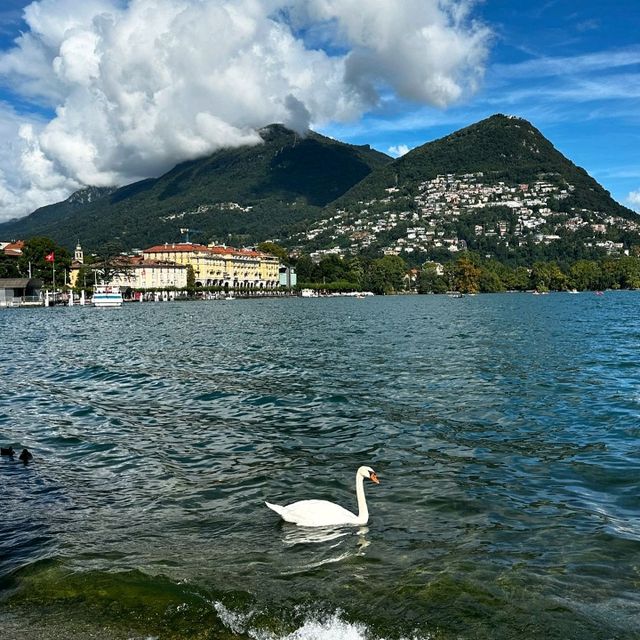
{"x":251,"y":192}
{"x":498,"y":187}
{"x":502,"y":147}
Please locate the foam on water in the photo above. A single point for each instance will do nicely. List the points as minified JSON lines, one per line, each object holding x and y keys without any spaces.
{"x":332,"y":626}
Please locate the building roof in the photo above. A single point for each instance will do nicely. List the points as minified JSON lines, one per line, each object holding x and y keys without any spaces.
{"x":176,"y":247}
{"x":153,"y":264}
{"x":187,"y":247}
{"x":13,"y":248}
{"x":19,"y":283}
{"x":130,"y":262}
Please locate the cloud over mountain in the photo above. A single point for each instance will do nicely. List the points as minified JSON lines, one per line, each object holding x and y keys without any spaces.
{"x":397,"y":150}
{"x":130,"y":88}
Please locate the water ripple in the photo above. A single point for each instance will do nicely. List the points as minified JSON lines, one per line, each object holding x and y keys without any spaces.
{"x":504,"y":429}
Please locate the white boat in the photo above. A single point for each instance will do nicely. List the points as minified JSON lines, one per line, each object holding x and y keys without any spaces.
{"x":105,"y":295}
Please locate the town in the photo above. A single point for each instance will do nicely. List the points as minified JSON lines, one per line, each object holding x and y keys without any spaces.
{"x":440,"y":234}
{"x":531,"y":212}
{"x":159,"y":272}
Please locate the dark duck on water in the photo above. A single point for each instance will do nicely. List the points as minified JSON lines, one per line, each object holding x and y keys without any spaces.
{"x":7,"y":452}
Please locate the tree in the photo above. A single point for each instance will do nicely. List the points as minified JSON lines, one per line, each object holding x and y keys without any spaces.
{"x":585,"y":274}
{"x":332,"y":268}
{"x":466,"y":275}
{"x":33,"y":258}
{"x":110,"y":263}
{"x":386,"y":275}
{"x":191,"y":279}
{"x":355,"y":270}
{"x":275,"y":250}
{"x":548,"y":275}
{"x":490,"y":282}
{"x":306,"y":269}
{"x":9,"y":267}
{"x":494,"y":276}
{"x":430,"y":281}
{"x":520,"y":279}
{"x":85,"y":278}
{"x":623,"y":272}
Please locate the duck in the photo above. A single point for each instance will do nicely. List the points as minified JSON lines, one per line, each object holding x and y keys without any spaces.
{"x":25,"y":456}
{"x":7,"y":452}
{"x":322,"y":513}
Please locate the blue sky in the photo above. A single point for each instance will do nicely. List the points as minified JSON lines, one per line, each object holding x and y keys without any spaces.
{"x":572,"y":69}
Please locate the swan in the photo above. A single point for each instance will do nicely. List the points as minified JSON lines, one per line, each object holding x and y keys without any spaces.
{"x":322,"y":513}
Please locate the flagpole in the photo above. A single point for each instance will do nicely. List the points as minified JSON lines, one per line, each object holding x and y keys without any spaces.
{"x":51,"y":257}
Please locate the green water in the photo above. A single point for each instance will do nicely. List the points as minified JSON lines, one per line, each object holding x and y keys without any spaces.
{"x":504,"y":429}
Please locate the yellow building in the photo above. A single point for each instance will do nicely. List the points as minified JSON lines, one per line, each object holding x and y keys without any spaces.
{"x":151,"y":274}
{"x":135,"y":273}
{"x":165,"y":266}
{"x":219,"y":266}
{"x":207,"y":267}
{"x":270,"y":269}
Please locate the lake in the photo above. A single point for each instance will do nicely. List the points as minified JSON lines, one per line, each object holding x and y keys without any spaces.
{"x":505,"y":430}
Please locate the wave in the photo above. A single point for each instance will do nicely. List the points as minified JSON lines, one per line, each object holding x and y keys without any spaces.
{"x":330,"y":626}
{"x":51,"y":599}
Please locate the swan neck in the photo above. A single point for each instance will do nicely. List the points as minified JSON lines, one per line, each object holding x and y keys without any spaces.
{"x":363,"y":511}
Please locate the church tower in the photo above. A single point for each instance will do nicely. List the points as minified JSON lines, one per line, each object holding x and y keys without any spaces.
{"x":79,"y":254}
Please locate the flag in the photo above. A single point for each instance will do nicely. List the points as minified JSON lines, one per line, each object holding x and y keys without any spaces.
{"x":50,"y":257}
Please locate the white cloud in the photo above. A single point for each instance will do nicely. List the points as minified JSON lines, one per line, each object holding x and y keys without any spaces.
{"x":28,"y":179}
{"x":570,"y":65}
{"x":634,"y":200}
{"x":398,"y":150}
{"x":138,"y":86}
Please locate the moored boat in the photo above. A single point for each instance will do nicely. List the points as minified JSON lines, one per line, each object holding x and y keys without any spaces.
{"x":106,"y":295}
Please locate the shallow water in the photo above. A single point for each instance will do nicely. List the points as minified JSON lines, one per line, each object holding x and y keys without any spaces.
{"x":504,"y":428}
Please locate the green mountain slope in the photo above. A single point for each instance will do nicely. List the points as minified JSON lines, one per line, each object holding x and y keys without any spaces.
{"x":254,"y":192}
{"x":503,"y":148}
{"x":55,"y":214}
{"x":498,"y":187}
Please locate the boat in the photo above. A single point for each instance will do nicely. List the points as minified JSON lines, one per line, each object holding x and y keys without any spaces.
{"x":106,"y":296}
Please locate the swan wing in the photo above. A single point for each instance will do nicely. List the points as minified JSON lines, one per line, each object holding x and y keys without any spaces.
{"x":315,"y":513}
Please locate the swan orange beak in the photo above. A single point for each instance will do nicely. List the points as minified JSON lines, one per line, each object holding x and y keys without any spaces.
{"x":374,"y":478}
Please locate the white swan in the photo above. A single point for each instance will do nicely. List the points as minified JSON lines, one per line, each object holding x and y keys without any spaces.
{"x":322,"y":513}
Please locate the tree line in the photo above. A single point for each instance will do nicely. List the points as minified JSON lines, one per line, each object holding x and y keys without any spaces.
{"x":468,"y":273}
{"x":104,"y":264}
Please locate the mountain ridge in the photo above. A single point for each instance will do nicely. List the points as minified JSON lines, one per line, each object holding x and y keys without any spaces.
{"x":286,"y":179}
{"x":498,"y":187}
{"x":301,"y":190}
{"x":488,"y":146}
